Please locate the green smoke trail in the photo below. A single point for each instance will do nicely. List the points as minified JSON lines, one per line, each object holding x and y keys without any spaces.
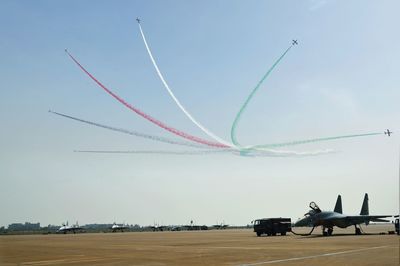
{"x":292,"y":143}
{"x":237,"y":118}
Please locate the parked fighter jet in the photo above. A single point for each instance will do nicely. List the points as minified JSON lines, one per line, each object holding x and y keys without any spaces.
{"x":328,"y":219}
{"x":118,"y":227}
{"x":65,"y":228}
{"x":220,"y":226}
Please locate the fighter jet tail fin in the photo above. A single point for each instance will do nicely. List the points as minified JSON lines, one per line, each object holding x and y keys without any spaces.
{"x":338,"y":205}
{"x":365,"y":208}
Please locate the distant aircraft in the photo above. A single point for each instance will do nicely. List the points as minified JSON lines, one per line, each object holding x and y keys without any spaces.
{"x":65,"y":228}
{"x":328,"y":219}
{"x":116,"y":227}
{"x":388,"y":132}
{"x":294,"y":42}
{"x":220,"y":226}
{"x":138,"y":20}
{"x":159,"y":228}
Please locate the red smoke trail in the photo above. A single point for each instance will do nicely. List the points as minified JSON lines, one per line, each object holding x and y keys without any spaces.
{"x":148,"y":117}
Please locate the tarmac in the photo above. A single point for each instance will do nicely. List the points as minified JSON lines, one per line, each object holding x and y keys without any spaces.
{"x":213,"y":247}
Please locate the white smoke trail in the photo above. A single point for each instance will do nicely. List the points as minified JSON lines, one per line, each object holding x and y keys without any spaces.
{"x":250,"y":153}
{"x":205,"y":130}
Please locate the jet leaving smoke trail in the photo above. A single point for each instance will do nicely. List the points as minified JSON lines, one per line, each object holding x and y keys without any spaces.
{"x":239,"y":114}
{"x":146,"y":116}
{"x":134,"y":133}
{"x":292,"y":143}
{"x":205,"y":130}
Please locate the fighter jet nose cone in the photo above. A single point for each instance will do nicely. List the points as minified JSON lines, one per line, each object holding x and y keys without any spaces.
{"x":300,"y":222}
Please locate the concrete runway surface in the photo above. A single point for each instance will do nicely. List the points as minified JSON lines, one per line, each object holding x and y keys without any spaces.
{"x":214,"y":247}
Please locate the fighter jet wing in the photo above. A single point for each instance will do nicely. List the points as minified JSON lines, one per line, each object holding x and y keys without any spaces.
{"x":367,"y":218}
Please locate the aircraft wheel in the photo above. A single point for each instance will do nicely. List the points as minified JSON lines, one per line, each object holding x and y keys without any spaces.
{"x":324,"y":233}
{"x":258,"y":233}
{"x":330,"y":230}
{"x":283,"y":233}
{"x":358,"y":231}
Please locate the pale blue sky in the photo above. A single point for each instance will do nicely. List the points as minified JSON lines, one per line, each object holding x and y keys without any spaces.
{"x":342,"y":78}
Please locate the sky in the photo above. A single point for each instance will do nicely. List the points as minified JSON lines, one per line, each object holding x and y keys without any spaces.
{"x":341,"y":79}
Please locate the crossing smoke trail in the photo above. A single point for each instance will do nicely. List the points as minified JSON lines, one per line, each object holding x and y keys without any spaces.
{"x":291,"y":143}
{"x":255,"y":150}
{"x":146,"y":116}
{"x":133,"y":133}
{"x":249,"y":152}
{"x":205,"y":130}
{"x":239,"y":114}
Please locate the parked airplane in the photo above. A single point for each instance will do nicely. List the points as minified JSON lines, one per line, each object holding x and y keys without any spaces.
{"x":159,"y":228}
{"x":388,"y":132}
{"x":328,"y":219}
{"x":220,"y":226}
{"x":65,"y":228}
{"x":117,"y":227}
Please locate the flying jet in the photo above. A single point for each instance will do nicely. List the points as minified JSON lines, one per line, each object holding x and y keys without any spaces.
{"x":138,"y":20}
{"x":328,"y":219}
{"x":65,"y":228}
{"x":117,"y":227}
{"x":294,"y":42}
{"x":388,"y":132}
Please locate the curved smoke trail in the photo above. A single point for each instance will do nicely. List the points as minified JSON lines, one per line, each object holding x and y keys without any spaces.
{"x":292,"y":143}
{"x":146,"y":116}
{"x":239,"y":114}
{"x":133,"y":133}
{"x":205,"y":130}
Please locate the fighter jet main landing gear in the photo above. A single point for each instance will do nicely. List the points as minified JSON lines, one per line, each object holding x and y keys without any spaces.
{"x":358,"y":230}
{"x":328,"y":232}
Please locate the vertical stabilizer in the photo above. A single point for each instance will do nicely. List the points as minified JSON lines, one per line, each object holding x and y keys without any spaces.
{"x":338,"y":205}
{"x":365,"y":208}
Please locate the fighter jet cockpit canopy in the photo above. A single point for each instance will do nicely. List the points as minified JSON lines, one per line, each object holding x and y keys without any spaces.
{"x":315,"y":207}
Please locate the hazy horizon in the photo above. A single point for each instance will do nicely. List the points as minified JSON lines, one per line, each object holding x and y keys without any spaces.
{"x":341,"y":79}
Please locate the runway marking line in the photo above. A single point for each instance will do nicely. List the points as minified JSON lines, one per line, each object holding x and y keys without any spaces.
{"x":64,"y":261}
{"x":314,"y":256}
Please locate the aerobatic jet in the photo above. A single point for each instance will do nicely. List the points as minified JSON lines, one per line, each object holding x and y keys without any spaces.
{"x":138,"y":20}
{"x":294,"y":42}
{"x":65,"y":228}
{"x":388,"y":132}
{"x":328,"y":219}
